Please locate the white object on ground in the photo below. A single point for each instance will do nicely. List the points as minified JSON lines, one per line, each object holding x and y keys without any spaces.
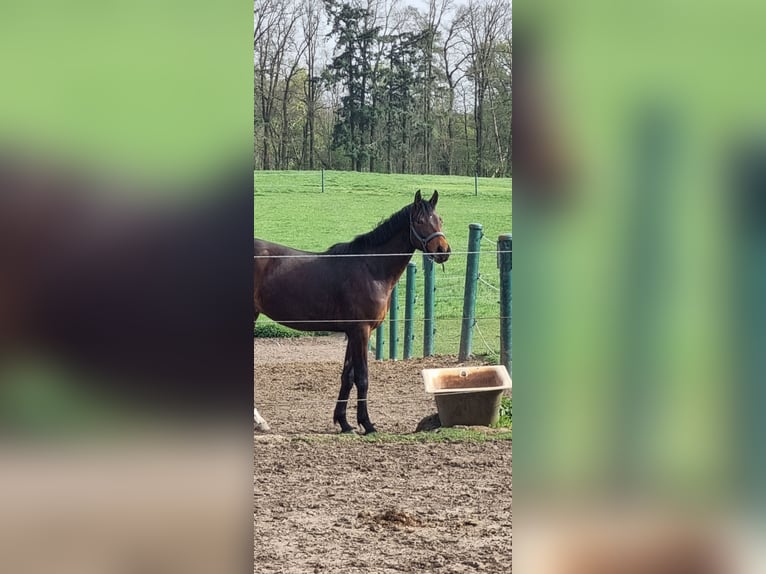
{"x":260,"y":424}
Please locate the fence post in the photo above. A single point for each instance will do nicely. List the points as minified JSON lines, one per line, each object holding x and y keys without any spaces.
{"x":476,"y":183}
{"x":469,"y":295}
{"x":428,"y":306}
{"x":380,"y":341}
{"x":393,"y":318}
{"x":409,"y":309}
{"x":505,"y":263}
{"x":322,"y":180}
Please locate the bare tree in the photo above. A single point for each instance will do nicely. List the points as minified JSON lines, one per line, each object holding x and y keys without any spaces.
{"x":437,"y":9}
{"x":384,"y":12}
{"x":297,"y":48}
{"x":275,"y":22}
{"x":452,"y":60}
{"x":310,"y":21}
{"x":485,"y":22}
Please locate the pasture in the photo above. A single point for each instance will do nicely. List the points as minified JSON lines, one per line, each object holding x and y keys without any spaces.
{"x":399,"y":500}
{"x":290,"y":209}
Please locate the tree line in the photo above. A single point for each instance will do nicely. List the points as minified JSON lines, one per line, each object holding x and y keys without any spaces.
{"x":384,"y":86}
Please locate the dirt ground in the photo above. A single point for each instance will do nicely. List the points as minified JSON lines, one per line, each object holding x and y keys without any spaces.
{"x":324,"y":505}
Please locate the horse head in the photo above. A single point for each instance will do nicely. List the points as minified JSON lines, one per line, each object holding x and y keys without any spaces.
{"x":426,"y":228}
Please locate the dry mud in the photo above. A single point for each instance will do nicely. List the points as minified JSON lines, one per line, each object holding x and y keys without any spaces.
{"x":326,"y":505}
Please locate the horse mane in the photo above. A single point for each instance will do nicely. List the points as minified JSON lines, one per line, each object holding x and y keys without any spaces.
{"x":383,"y":233}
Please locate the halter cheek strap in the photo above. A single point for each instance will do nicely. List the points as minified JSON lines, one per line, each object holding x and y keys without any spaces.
{"x":423,"y":240}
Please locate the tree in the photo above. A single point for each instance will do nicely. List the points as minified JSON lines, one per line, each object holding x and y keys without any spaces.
{"x":376,"y":84}
{"x":355,"y":33}
{"x":310,"y":21}
{"x":275,"y":22}
{"x":485,"y":21}
{"x":452,"y":61}
{"x":399,"y":78}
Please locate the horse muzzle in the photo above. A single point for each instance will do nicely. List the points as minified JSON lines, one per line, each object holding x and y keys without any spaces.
{"x":441,"y":254}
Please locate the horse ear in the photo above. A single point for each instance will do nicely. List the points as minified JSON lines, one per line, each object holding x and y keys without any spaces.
{"x":418,"y":197}
{"x":434,"y":199}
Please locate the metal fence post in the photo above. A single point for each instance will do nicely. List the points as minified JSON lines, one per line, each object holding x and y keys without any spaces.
{"x":505,"y":263}
{"x":409,"y":309}
{"x":393,"y":318}
{"x":428,"y":305}
{"x":322,"y":180}
{"x":380,"y":341}
{"x":469,"y":295}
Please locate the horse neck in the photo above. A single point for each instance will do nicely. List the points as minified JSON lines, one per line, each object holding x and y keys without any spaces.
{"x":392,"y":267}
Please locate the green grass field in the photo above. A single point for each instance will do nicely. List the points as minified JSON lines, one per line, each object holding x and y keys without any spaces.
{"x":290,"y":209}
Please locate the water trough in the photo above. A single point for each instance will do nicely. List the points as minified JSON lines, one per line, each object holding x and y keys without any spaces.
{"x":467,"y":395}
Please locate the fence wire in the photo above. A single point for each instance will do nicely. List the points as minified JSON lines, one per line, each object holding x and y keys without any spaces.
{"x":448,"y":297}
{"x":488,"y":240}
{"x":308,"y":255}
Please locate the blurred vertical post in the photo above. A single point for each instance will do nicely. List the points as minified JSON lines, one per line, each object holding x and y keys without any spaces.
{"x":409,"y":308}
{"x":322,"y":180}
{"x":428,"y":305}
{"x":505,"y":263}
{"x":750,"y":177}
{"x":469,"y":294}
{"x":650,"y":264}
{"x":476,"y":183}
{"x":393,"y":317}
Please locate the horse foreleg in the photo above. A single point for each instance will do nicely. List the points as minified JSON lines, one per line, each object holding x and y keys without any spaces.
{"x":346,"y":382}
{"x":358,"y":346}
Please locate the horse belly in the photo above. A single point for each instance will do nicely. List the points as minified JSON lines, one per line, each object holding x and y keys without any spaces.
{"x":300,"y":299}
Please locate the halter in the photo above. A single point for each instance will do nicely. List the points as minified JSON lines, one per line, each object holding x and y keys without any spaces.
{"x":423,"y":240}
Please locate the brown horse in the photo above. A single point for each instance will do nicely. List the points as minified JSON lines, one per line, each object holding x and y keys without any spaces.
{"x":347,"y":288}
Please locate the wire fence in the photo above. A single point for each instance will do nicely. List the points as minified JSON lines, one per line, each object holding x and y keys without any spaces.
{"x":449,"y":309}
{"x":308,"y":255}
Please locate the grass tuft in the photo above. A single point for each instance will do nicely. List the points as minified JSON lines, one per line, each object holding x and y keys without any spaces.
{"x":270,"y":330}
{"x":506,"y":414}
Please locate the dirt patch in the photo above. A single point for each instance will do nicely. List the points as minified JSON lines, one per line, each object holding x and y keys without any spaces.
{"x":327,"y":505}
{"x":299,"y":349}
{"x":346,"y":506}
{"x":393,"y":517}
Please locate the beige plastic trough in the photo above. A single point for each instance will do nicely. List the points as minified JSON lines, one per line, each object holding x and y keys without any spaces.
{"x":467,"y":395}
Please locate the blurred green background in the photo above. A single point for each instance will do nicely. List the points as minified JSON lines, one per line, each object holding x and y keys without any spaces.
{"x":627,"y":371}
{"x":139,"y":87}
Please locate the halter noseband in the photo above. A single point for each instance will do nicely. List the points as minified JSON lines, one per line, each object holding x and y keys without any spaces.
{"x":423,"y":240}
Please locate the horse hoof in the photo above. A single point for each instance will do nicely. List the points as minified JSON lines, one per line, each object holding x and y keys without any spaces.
{"x":369,"y":429}
{"x":349,"y":430}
